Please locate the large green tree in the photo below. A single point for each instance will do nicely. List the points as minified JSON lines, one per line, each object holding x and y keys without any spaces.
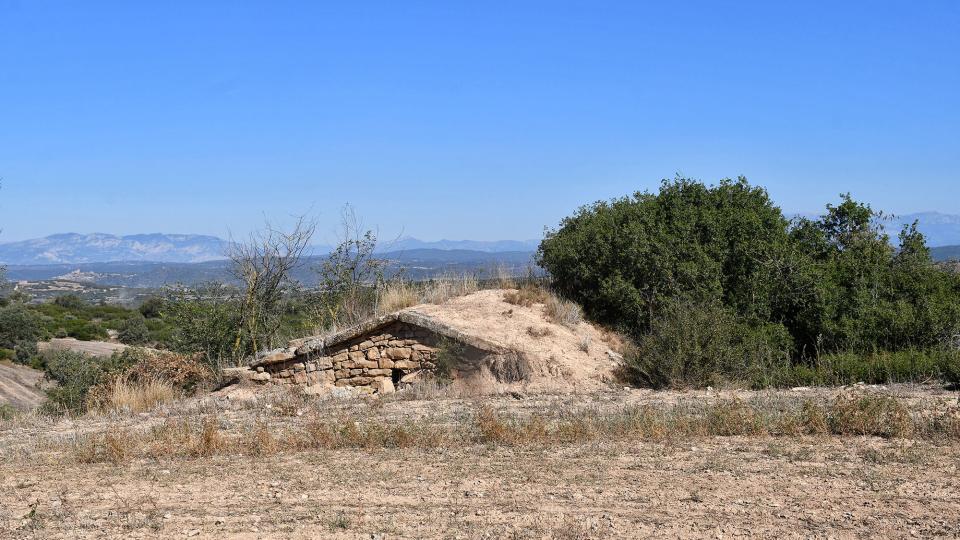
{"x":834,"y":283}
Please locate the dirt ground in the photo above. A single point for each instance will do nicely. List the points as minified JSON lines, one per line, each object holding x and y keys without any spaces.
{"x":18,"y":386}
{"x":715,"y":487}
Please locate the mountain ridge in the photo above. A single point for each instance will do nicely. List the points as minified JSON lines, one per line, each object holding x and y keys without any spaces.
{"x":77,"y":248}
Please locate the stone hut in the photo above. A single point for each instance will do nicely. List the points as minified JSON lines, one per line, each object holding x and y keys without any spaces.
{"x":386,"y":352}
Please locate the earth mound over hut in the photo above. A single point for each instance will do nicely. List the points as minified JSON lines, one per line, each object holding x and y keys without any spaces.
{"x":479,"y":342}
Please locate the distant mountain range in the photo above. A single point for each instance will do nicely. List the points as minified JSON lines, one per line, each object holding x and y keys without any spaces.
{"x":415,"y":264}
{"x":72,"y":248}
{"x":945,"y":253}
{"x":941,"y":230}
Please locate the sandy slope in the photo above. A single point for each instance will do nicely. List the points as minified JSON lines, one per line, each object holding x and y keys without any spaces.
{"x":558,"y":358}
{"x":18,"y":386}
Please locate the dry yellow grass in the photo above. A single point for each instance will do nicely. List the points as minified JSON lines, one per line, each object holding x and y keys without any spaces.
{"x":440,"y":290}
{"x":397,"y":295}
{"x":140,"y":396}
{"x":562,"y":311}
{"x":858,"y":414}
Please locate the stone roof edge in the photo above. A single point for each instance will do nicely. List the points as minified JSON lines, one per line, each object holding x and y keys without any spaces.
{"x":412,"y":317}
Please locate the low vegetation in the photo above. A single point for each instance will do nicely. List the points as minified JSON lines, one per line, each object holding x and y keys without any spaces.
{"x":133,"y":379}
{"x":853,"y":414}
{"x":715,"y":285}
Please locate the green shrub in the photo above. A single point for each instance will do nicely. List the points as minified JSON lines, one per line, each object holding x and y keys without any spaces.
{"x":18,"y":323}
{"x":152,"y":307}
{"x":774,"y":293}
{"x":134,"y":331}
{"x":692,"y":345}
{"x":75,"y":374}
{"x":881,"y":367}
{"x":69,"y":301}
{"x":26,"y":352}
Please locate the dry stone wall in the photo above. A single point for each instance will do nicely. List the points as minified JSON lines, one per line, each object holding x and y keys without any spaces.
{"x":373,"y":362}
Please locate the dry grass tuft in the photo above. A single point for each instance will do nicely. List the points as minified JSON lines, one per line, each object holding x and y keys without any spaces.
{"x":848,"y":415}
{"x":562,"y":311}
{"x":397,"y":295}
{"x":440,"y":290}
{"x":503,"y":278}
{"x":538,"y":333}
{"x":124,"y":395}
{"x":526,"y":296}
{"x":869,"y":414}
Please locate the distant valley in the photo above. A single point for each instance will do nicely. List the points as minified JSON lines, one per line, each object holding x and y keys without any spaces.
{"x":416,"y":264}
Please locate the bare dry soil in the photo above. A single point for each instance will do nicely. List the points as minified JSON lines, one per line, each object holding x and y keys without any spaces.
{"x":694,"y":487}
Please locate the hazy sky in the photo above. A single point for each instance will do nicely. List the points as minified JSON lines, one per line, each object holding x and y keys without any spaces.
{"x":478,"y":120}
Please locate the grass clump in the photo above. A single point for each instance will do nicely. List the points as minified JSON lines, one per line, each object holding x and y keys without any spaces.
{"x":538,"y":333}
{"x":869,"y":414}
{"x":526,"y":296}
{"x":562,"y":311}
{"x":397,"y":295}
{"x":122,"y":394}
{"x":848,"y":415}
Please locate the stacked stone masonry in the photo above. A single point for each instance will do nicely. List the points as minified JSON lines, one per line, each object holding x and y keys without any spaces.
{"x":376,"y":361}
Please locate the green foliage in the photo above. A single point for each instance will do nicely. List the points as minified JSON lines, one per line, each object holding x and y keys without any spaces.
{"x":844,"y":368}
{"x":349,"y":279}
{"x":206,"y":320}
{"x":18,"y":323}
{"x":69,"y":301}
{"x":152,"y":307}
{"x":88,"y":322}
{"x":659,"y":267}
{"x":697,"y":345}
{"x":27,"y":353}
{"x":75,"y":374}
{"x":134,"y":331}
{"x":624,"y":260}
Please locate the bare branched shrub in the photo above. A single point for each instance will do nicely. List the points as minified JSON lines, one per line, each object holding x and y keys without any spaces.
{"x":350,"y":277}
{"x":263,"y":265}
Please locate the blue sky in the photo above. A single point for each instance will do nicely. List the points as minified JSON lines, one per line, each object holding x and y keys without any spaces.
{"x":479,"y":120}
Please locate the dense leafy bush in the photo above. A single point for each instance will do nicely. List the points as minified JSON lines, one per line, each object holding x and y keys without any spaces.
{"x":152,"y":307}
{"x":75,"y":374}
{"x":207,"y":321}
{"x":134,"y":331}
{"x":20,"y":328}
{"x":773,"y":293}
{"x":18,"y":323}
{"x":692,"y":344}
